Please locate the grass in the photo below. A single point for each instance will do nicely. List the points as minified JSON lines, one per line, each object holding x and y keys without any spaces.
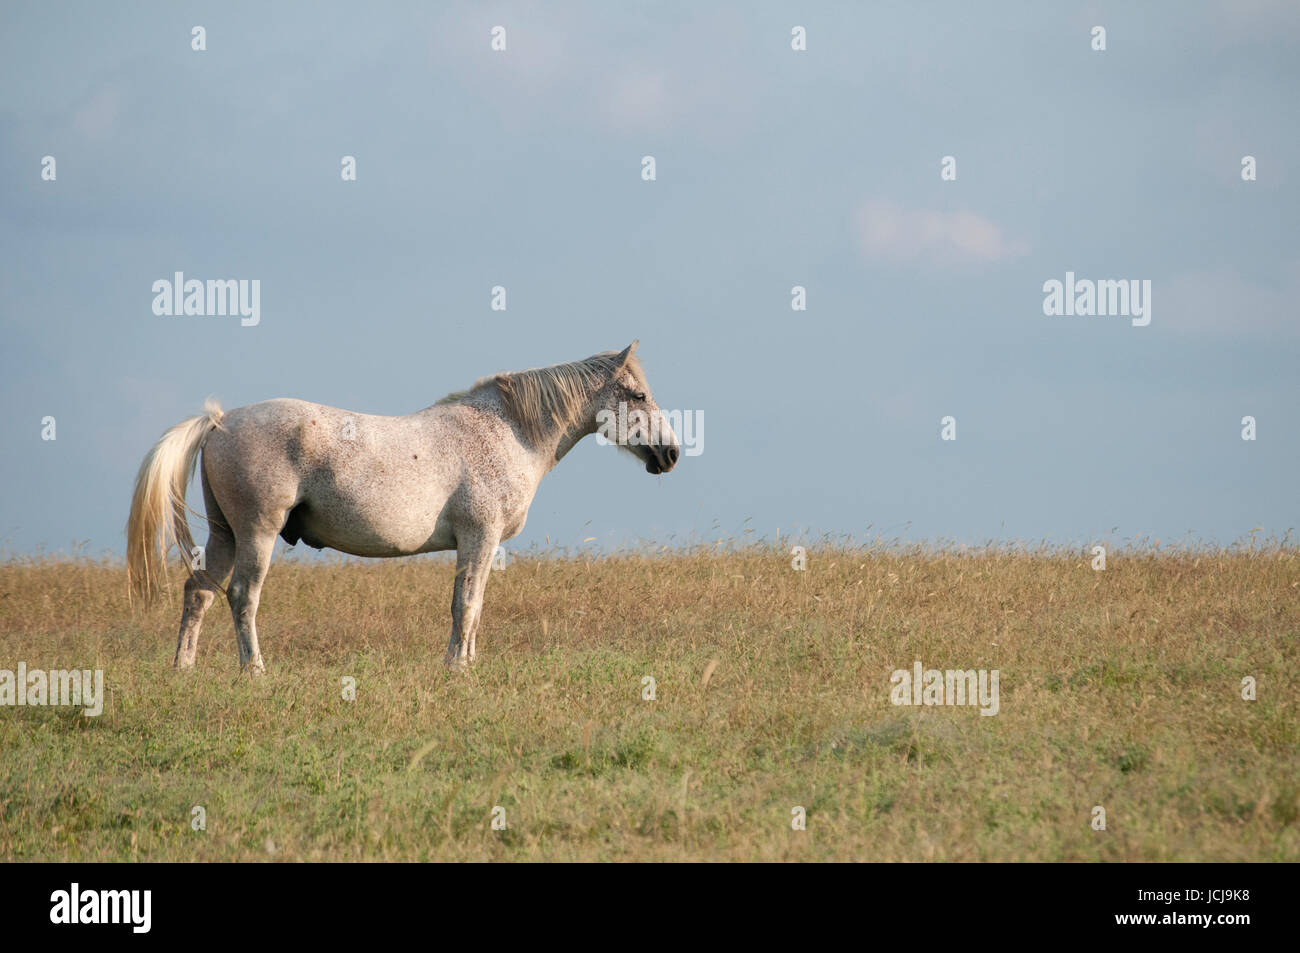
{"x":1120,"y":689}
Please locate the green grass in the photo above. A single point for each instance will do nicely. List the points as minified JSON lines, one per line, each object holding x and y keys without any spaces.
{"x":1120,"y":688}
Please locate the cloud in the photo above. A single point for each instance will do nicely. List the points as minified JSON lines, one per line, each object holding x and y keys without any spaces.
{"x":97,"y":117}
{"x":1222,"y":301}
{"x":567,"y":65}
{"x":890,"y":232}
{"x":639,"y":100}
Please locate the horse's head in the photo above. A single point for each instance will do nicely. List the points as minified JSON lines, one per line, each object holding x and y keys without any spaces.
{"x":628,"y":415}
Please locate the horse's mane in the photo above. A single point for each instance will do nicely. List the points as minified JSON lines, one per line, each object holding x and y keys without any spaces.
{"x":542,"y":398}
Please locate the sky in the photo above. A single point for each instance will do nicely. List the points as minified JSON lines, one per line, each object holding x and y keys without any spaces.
{"x":821,"y":168}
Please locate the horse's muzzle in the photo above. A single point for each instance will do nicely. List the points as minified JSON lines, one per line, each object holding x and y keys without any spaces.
{"x":662,"y":459}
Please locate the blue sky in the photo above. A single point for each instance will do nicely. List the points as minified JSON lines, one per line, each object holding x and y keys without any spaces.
{"x":775,"y":168}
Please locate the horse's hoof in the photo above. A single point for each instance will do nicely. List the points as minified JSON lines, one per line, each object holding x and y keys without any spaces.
{"x":456,"y":665}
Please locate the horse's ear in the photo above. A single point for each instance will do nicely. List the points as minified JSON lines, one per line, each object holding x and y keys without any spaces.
{"x":627,"y":352}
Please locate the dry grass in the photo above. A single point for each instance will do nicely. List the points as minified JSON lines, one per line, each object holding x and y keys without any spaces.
{"x":1120,"y":688}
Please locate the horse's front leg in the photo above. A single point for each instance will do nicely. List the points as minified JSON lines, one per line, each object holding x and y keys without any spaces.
{"x":473,"y":564}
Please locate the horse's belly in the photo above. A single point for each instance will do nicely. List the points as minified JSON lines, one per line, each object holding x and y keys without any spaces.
{"x":363,"y":531}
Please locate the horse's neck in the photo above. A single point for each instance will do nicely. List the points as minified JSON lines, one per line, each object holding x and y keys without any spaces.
{"x":550,"y":447}
{"x":566,"y":441}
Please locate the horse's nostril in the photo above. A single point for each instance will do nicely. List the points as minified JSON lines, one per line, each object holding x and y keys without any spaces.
{"x":671,"y":454}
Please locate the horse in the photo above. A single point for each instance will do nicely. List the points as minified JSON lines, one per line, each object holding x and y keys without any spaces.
{"x":460,"y":474}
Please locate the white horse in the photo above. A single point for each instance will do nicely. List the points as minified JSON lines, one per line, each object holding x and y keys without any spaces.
{"x":458,"y":475}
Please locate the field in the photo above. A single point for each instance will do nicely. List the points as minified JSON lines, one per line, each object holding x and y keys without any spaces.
{"x":1120,"y":689}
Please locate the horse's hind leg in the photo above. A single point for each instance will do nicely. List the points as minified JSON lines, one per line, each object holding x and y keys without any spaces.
{"x":203,"y":585}
{"x":200,"y":589}
{"x":252,"y":559}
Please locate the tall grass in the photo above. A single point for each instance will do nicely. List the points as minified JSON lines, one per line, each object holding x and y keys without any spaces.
{"x":1120,"y":689}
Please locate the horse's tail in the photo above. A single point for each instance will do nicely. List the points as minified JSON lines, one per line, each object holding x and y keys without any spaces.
{"x":157,"y":517}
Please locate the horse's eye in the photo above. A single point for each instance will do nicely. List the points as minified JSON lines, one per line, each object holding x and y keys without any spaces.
{"x":638,"y":396}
